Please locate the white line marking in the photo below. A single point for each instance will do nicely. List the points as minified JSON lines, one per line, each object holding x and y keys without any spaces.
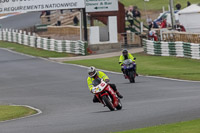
{"x":33,"y":108}
{"x":181,"y":80}
{"x":15,"y":52}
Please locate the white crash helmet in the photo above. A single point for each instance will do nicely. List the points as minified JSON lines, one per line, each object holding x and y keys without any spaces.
{"x":92,"y":71}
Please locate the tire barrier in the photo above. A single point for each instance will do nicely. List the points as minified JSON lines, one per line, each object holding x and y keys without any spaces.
{"x":16,"y":36}
{"x":178,"y":49}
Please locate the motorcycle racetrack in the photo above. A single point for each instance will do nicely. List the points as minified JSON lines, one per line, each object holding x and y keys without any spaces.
{"x":60,"y":92}
{"x":21,"y":21}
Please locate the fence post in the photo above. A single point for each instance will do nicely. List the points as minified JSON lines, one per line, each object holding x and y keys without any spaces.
{"x":141,"y":27}
{"x":85,"y":48}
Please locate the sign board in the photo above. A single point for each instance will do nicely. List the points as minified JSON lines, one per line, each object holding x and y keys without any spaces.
{"x":101,"y":5}
{"x":10,"y":6}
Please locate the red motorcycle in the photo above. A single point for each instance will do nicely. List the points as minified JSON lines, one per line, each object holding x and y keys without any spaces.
{"x":106,"y":95}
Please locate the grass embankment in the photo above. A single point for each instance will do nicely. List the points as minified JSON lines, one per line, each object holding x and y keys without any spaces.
{"x":32,"y":51}
{"x":156,"y":4}
{"x":12,"y":112}
{"x":171,"y":67}
{"x":182,"y":127}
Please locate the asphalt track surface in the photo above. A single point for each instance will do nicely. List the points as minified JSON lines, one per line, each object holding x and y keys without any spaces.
{"x":21,"y":21}
{"x":60,"y":92}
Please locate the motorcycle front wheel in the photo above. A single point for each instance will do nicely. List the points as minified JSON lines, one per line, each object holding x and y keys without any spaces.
{"x":119,"y":106}
{"x":108,"y":103}
{"x":132,"y":76}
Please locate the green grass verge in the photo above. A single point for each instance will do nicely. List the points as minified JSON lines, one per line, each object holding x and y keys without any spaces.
{"x":32,"y":51}
{"x":171,"y":67}
{"x":12,"y":112}
{"x":156,"y":4}
{"x":182,"y":127}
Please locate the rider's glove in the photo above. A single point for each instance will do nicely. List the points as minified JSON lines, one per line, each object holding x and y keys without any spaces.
{"x":92,"y":91}
{"x":107,"y":80}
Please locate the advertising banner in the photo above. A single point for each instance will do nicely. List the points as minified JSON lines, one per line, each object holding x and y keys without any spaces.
{"x":101,"y":5}
{"x":10,"y":6}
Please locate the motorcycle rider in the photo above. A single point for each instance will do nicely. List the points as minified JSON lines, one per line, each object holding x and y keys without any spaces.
{"x":125,"y":55}
{"x":94,"y":74}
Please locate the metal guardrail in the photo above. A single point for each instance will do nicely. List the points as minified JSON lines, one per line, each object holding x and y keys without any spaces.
{"x":138,"y":22}
{"x":65,"y":18}
{"x":138,"y":26}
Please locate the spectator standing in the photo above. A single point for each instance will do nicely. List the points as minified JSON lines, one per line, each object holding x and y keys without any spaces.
{"x":149,"y":21}
{"x":188,"y":3}
{"x":76,"y":21}
{"x":163,"y":23}
{"x":153,"y":36}
{"x":180,"y":28}
{"x":154,"y":25}
{"x":178,"y":6}
{"x":59,"y":22}
{"x":136,"y":12}
{"x":61,"y":11}
{"x":130,"y":17}
{"x":126,"y":13}
{"x":133,"y":9}
{"x":42,"y":13}
{"x":48,"y":13}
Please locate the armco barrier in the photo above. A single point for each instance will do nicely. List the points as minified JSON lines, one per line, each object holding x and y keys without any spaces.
{"x":179,"y":49}
{"x":74,"y":47}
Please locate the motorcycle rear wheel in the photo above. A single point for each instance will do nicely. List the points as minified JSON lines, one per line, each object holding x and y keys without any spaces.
{"x":108,"y":103}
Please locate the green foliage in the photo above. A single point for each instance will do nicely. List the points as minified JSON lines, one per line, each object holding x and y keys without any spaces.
{"x":13,"y":112}
{"x":171,"y":67}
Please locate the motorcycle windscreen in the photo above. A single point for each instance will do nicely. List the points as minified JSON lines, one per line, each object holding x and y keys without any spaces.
{"x":96,"y":82}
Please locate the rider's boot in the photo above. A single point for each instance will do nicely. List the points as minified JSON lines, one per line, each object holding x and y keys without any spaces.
{"x":119,"y":95}
{"x":136,"y":74}
{"x":125,"y":76}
